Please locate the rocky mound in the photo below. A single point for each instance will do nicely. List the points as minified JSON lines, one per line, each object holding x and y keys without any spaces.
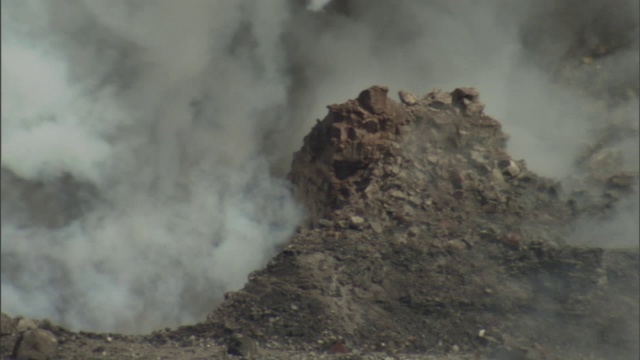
{"x":425,"y":236}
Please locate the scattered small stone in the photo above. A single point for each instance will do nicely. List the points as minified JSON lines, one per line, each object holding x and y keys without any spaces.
{"x":509,"y":168}
{"x":243,"y":346}
{"x":456,"y":179}
{"x":338,"y":348}
{"x":415,"y":200}
{"x":25,"y":324}
{"x":190,"y":341}
{"x":407,"y":98}
{"x":621,"y":181}
{"x":456,"y":245}
{"x":35,"y":344}
{"x":477,"y":157}
{"x":438,"y":99}
{"x":401,"y":240}
{"x":343,"y":224}
{"x":497,"y":176}
{"x":376,"y":227}
{"x":511,"y":240}
{"x":356,"y":222}
{"x":490,"y":208}
{"x":432,"y":159}
{"x":397,"y":194}
{"x":413,"y":232}
{"x":467,"y":100}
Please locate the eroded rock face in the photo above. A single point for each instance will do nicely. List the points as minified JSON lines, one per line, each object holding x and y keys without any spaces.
{"x":340,"y":148}
{"x":334,"y":167}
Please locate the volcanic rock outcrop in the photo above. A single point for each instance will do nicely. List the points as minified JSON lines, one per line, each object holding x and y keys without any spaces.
{"x":425,"y":235}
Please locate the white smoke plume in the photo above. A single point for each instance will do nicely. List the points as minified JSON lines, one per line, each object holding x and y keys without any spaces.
{"x":146,"y":102}
{"x":179,"y":119}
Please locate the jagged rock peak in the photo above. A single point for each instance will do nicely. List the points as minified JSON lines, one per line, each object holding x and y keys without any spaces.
{"x":335,"y":162}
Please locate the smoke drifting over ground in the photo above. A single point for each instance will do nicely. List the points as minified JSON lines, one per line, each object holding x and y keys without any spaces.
{"x":178,"y":119}
{"x":151,"y":106}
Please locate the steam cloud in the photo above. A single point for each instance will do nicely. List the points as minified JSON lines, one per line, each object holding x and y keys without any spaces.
{"x":179,"y":119}
{"x":146,"y":102}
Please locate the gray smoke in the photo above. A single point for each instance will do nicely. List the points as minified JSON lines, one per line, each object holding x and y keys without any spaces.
{"x":148,"y":103}
{"x":177,"y":120}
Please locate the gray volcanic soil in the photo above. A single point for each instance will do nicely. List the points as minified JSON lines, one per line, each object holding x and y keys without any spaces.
{"x":424,"y":240}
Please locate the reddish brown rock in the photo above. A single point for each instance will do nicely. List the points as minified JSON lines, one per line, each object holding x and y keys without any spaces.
{"x":374,"y":99}
{"x":340,"y":149}
{"x":338,"y":348}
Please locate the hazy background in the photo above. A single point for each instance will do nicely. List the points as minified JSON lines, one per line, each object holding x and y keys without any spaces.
{"x":144,"y":142}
